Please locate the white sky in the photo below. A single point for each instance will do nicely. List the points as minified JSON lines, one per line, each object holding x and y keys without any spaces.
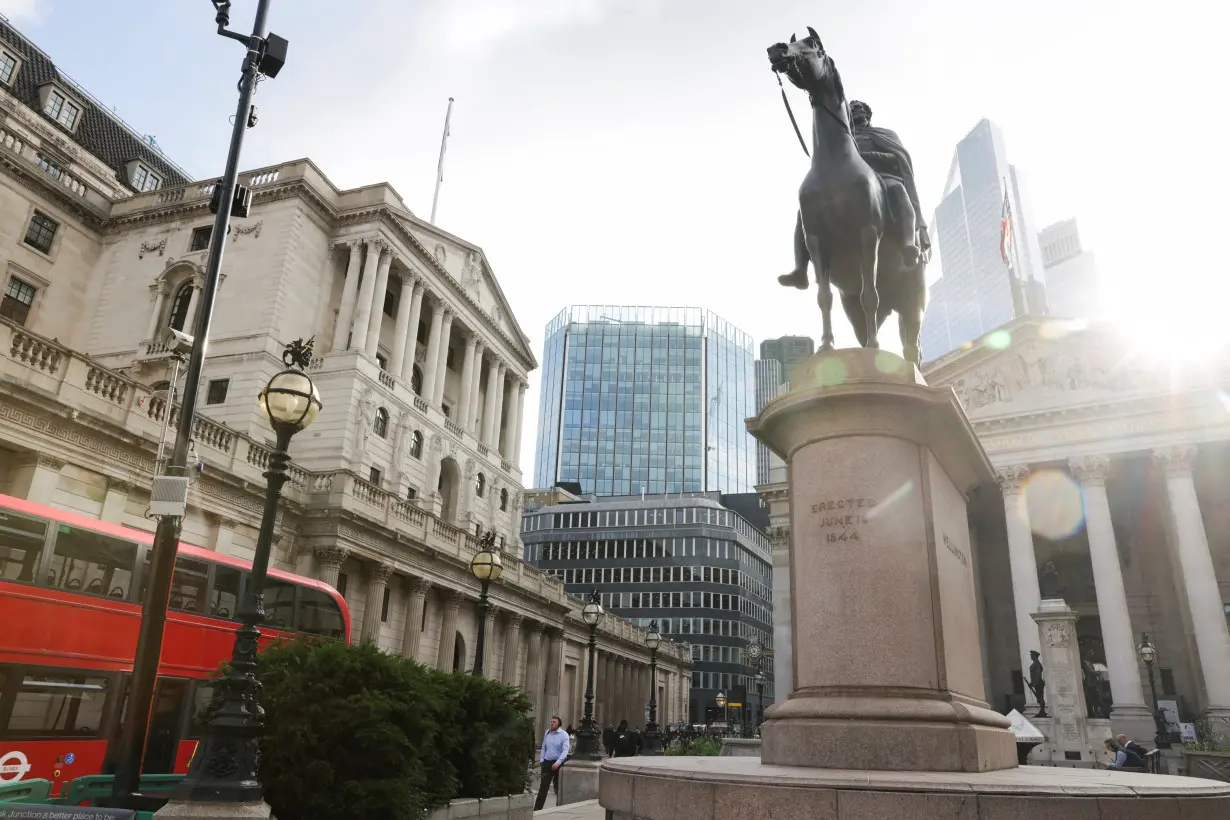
{"x":637,"y":152}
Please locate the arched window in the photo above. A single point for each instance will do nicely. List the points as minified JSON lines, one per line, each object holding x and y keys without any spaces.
{"x":416,"y":380}
{"x":416,"y":444}
{"x":480,"y":485}
{"x":179,"y":306}
{"x":503,"y":499}
{"x":380,"y":426}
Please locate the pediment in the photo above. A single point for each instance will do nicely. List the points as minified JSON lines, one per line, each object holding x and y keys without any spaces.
{"x":468,"y":266}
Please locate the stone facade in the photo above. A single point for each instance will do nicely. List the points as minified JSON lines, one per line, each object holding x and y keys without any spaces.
{"x":1113,"y":474}
{"x":421,"y":366}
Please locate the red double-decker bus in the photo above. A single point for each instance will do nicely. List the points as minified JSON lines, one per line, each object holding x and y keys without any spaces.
{"x":71,"y":589}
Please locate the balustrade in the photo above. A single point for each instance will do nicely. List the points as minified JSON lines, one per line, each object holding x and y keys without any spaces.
{"x":107,"y":385}
{"x":386,"y":380}
{"x":36,"y":353}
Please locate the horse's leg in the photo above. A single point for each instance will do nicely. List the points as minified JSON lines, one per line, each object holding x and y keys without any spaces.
{"x":909,"y":317}
{"x":824,"y":298}
{"x":797,"y":278}
{"x":853,"y":305}
{"x":869,"y":296}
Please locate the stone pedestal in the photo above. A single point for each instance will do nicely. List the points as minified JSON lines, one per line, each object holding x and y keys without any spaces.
{"x":887,"y":667}
{"x":1068,"y":736}
{"x":215,"y":811}
{"x":578,"y":782}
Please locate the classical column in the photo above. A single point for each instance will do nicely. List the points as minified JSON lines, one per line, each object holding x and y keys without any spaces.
{"x":515,"y":455}
{"x":555,"y":671}
{"x":467,"y":383}
{"x":377,"y":580}
{"x":350,"y":292}
{"x":1024,"y":566}
{"x":329,"y":560}
{"x":448,"y":631}
{"x":412,"y":338}
{"x":433,"y":351}
{"x":497,"y":417}
{"x":1117,"y":635}
{"x":489,"y":401}
{"x":446,"y":335}
{"x":160,"y":297}
{"x":402,"y":327}
{"x":193,"y":301}
{"x":514,"y":419}
{"x":417,"y":605}
{"x":1204,"y":601}
{"x":533,"y":671}
{"x":367,"y":290}
{"x":472,"y":421}
{"x":378,"y":296}
{"x":488,"y":642}
{"x":512,"y":648}
{"x":625,"y":692}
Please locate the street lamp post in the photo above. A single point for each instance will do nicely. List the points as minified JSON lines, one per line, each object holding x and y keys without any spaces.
{"x":653,"y":737}
{"x":720,"y":700}
{"x":1148,"y":653}
{"x":487,"y":566}
{"x":587,"y":736}
{"x":760,"y":679}
{"x":754,"y":653}
{"x":265,"y":56}
{"x":224,"y":767}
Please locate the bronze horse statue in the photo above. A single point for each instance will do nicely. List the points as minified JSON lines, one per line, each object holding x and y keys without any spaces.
{"x":845,"y":226}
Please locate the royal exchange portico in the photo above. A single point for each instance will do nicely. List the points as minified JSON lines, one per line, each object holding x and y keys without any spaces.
{"x":1113,"y":493}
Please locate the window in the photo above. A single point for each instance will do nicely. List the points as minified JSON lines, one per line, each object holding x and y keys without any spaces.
{"x":319,"y":614}
{"x":90,"y":562}
{"x":61,"y":109}
{"x":448,"y":359}
{"x":416,"y":444}
{"x":416,"y":380}
{"x":342,"y":579}
{"x":503,"y":499}
{"x":411,"y":493}
{"x":21,"y":542}
{"x":179,"y":306}
{"x":279,"y":603}
{"x":143,"y":179}
{"x":380,"y":425}
{"x":390,"y":303}
{"x":374,"y":476}
{"x":42,"y":232}
{"x":225,"y":600}
{"x":216,"y":394}
{"x":188,"y":585}
{"x":384,"y":605}
{"x":58,"y":706}
{"x":8,"y":67}
{"x":480,"y":485}
{"x":18,"y":297}
{"x":382,"y":361}
{"x":200,"y":238}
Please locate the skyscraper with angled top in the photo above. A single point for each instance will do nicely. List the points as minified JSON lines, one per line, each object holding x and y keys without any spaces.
{"x":646,"y":400}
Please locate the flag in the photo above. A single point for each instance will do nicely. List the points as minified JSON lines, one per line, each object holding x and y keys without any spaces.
{"x":1006,"y":236}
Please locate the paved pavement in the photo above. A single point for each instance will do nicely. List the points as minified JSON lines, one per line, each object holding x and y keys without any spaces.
{"x":589,"y":810}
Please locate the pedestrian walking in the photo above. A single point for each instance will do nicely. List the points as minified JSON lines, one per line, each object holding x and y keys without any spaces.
{"x":627,"y":741}
{"x":554,"y":753}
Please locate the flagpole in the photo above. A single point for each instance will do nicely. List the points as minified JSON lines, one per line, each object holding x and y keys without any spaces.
{"x":435,"y":199}
{"x":1014,"y":274}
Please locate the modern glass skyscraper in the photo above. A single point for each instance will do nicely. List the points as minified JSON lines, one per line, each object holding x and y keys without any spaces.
{"x":646,"y":399}
{"x":976,"y":292}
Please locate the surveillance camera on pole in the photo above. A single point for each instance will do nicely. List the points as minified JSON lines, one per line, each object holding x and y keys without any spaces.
{"x":178,"y":342}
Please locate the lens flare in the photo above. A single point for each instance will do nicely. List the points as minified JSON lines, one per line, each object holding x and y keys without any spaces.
{"x":889,"y":501}
{"x":1053,"y":499}
{"x":889,"y":362}
{"x":998,"y":340}
{"x":830,"y":372}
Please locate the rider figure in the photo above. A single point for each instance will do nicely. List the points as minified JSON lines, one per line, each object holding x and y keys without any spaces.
{"x":881,"y":149}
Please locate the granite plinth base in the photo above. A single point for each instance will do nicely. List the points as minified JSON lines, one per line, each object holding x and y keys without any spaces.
{"x":578,"y":782}
{"x":733,"y":788}
{"x":215,"y":811}
{"x":740,"y":747}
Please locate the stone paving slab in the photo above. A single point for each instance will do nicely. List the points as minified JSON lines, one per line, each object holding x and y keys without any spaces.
{"x":589,"y":810}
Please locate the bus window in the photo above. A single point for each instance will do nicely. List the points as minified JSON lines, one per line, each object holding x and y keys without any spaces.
{"x":21,"y":542}
{"x":319,"y":614}
{"x":57,"y":706}
{"x":93,"y":563}
{"x":188,"y":585}
{"x":224,"y":601}
{"x":279,"y":603}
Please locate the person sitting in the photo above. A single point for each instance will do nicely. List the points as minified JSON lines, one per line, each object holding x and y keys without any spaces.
{"x":1124,"y":758}
{"x":1131,"y":746}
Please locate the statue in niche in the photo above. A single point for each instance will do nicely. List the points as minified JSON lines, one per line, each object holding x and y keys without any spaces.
{"x":363,"y":424}
{"x":1048,"y":581}
{"x":1036,"y":683}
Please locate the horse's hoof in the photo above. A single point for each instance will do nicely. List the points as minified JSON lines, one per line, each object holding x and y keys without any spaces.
{"x":794,"y":279}
{"x":827,"y":347}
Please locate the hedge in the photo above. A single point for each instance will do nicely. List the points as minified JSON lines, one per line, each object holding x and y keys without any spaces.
{"x":352,"y":731}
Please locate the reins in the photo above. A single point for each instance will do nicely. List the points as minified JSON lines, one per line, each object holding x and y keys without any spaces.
{"x":793,"y":121}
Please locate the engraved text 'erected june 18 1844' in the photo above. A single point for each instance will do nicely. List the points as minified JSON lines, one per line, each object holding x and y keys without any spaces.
{"x":840,"y":517}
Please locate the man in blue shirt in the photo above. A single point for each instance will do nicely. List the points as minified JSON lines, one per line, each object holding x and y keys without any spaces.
{"x":554,"y":753}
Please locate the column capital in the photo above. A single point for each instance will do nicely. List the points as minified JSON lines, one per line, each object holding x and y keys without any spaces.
{"x":515,"y":619}
{"x":375,"y":243}
{"x":331,"y":555}
{"x":419,"y":587}
{"x":1090,"y":471}
{"x":379,"y":572}
{"x":447,"y":313}
{"x":1176,"y":460}
{"x":1012,"y":478}
{"x":471,"y":340}
{"x":534,"y":627}
{"x":454,"y":599}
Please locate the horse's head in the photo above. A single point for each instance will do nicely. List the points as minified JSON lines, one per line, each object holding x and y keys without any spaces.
{"x":802,"y":61}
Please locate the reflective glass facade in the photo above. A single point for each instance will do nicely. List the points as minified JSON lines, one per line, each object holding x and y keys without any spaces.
{"x":646,"y":399}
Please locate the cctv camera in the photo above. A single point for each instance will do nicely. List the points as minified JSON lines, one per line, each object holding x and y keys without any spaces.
{"x":178,"y":341}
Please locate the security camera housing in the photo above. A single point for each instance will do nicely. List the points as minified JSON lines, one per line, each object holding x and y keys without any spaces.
{"x":178,"y":341}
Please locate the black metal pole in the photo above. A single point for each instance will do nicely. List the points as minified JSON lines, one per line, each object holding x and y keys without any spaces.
{"x":653,"y":737}
{"x":587,"y":736}
{"x":1161,"y":737}
{"x":483,"y":606}
{"x":130,"y":746}
{"x":759,"y":704}
{"x":224,"y":768}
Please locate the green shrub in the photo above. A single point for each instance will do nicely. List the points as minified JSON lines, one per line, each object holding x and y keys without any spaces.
{"x":351,"y":731}
{"x":696,"y":746}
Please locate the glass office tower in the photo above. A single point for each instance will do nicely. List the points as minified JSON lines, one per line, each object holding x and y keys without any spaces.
{"x":646,"y":400}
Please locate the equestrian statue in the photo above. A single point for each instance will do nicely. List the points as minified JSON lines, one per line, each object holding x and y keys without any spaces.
{"x":859,"y":223}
